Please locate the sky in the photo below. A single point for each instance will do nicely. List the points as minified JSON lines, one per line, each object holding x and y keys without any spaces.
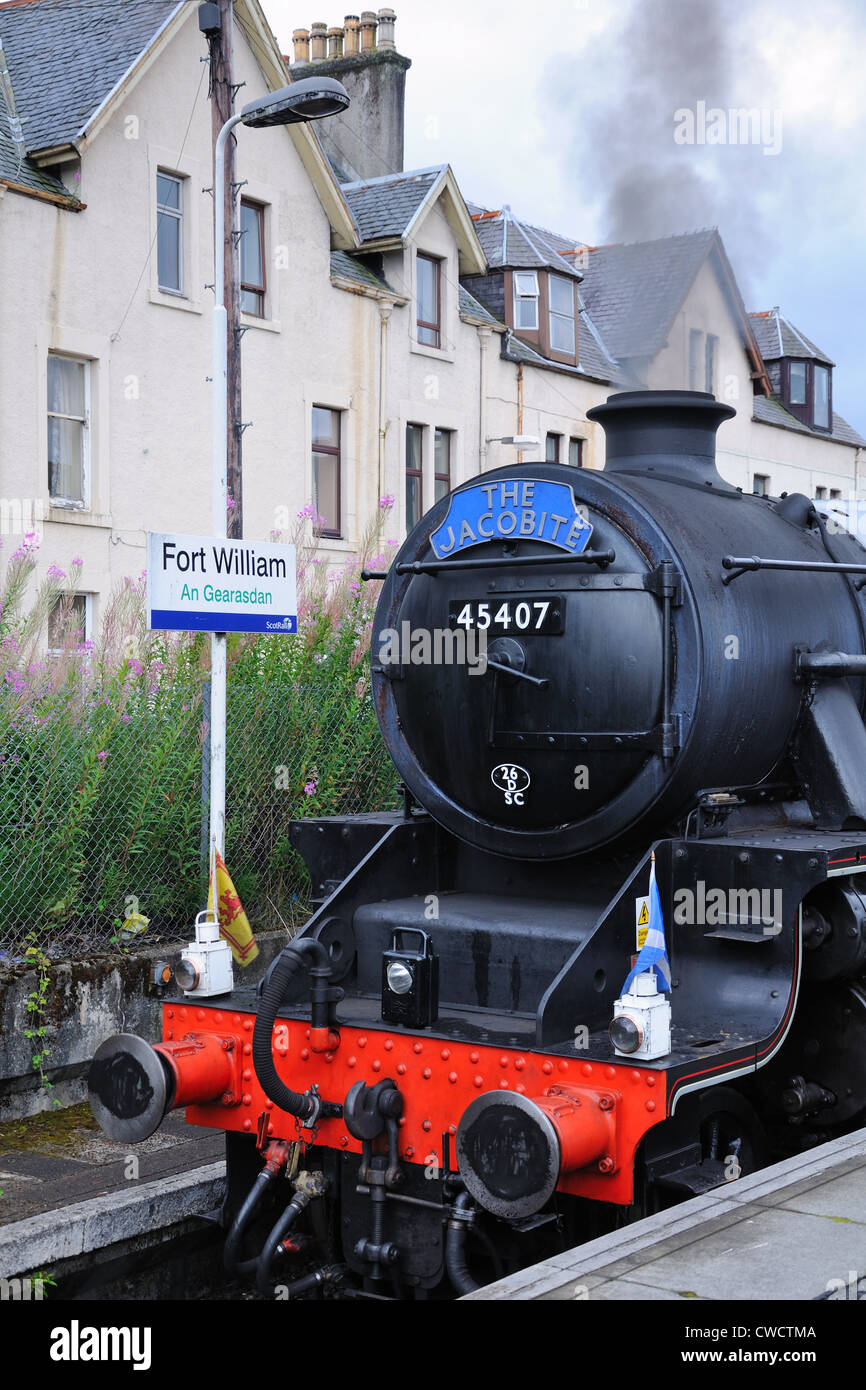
{"x":586,"y":116}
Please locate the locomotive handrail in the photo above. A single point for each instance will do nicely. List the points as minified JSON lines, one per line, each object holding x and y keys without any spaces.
{"x":741,"y":564}
{"x":586,"y":557}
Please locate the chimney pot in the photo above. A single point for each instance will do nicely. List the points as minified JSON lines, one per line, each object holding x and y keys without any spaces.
{"x":369,"y":23}
{"x":301,"y":41}
{"x":352,"y":28}
{"x":387,"y":19}
{"x":335,"y":43}
{"x":319,"y":40}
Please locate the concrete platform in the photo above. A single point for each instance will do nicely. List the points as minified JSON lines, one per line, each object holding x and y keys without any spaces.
{"x":796,"y":1231}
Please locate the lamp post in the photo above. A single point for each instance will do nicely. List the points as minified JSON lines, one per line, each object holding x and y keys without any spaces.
{"x":309,"y":100}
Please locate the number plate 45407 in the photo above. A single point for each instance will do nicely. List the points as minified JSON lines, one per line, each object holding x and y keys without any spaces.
{"x":509,"y":615}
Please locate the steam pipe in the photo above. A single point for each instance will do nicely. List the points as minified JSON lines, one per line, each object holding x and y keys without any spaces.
{"x":303,"y":1105}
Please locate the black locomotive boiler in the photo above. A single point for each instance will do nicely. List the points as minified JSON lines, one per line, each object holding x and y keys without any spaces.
{"x":638,"y":661}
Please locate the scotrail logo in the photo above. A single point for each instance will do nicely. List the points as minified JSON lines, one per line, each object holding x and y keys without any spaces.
{"x":77,"y":1343}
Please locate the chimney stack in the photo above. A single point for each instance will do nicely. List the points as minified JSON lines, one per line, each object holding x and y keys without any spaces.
{"x":366,"y":141}
{"x":352,"y":27}
{"x":386,"y":29}
{"x":369,"y":24}
{"x":318,"y":41}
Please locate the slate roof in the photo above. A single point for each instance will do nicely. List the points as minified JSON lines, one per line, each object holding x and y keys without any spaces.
{"x":777,"y":337}
{"x":352,"y":269}
{"x":507,"y":241}
{"x":771,"y":411}
{"x":23,"y":172}
{"x":65,"y":56}
{"x":384,"y":207}
{"x":468,"y":304}
{"x":634,"y":290}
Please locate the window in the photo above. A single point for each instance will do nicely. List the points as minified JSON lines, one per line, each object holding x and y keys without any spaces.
{"x":551,"y":448}
{"x":820,"y":494}
{"x":575,"y":453}
{"x":761,"y":485}
{"x":68,"y":622}
{"x":414,"y":474}
{"x":694,"y":358}
{"x":68,"y":418}
{"x":835,"y":494}
{"x":169,"y":233}
{"x":252,"y":258}
{"x":441,"y":463}
{"x":561,"y":314}
{"x":821,"y":408}
{"x":710,"y":363}
{"x":428,"y":272}
{"x":525,"y":299}
{"x":326,"y":470}
{"x":798,"y":383}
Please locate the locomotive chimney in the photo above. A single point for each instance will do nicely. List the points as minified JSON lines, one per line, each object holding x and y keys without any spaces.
{"x":665,"y":434}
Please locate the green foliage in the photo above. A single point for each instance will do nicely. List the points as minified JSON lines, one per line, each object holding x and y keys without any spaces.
{"x":37,"y":1005}
{"x":102,"y":745}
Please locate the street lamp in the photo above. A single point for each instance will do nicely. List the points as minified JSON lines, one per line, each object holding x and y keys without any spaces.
{"x":309,"y":100}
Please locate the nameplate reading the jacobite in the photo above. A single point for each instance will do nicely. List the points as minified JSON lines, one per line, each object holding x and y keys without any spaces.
{"x":516,"y":509}
{"x":202,"y":584}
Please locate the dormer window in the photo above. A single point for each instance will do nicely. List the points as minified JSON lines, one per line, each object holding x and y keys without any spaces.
{"x":806,"y":391}
{"x":525,"y":299}
{"x":561,"y":314}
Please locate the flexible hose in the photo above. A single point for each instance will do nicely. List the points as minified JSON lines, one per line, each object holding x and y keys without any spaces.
{"x":244,"y":1216}
{"x":455,"y":1250}
{"x":287,"y":966}
{"x":275,"y":1239}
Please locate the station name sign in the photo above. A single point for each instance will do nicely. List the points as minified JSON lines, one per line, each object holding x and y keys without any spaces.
{"x":520,"y":509}
{"x":200,"y":584}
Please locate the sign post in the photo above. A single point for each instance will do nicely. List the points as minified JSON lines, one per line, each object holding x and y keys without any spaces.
{"x":210,"y":584}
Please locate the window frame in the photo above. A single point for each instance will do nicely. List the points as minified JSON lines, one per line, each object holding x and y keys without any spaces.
{"x":178,"y":214}
{"x":438,"y":476}
{"x":73,"y":503}
{"x":556,"y":314}
{"x":551,"y":435}
{"x":247,"y":287}
{"x":711,"y":351}
{"x":828,"y":426}
{"x":414,"y":472}
{"x":695,"y":336}
{"x":88,"y":620}
{"x":332,"y":531}
{"x":428,"y":327}
{"x":580,"y":442}
{"x":519,"y":298}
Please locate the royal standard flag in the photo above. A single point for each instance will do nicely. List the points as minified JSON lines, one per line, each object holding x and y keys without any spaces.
{"x":653,"y":953}
{"x":234,"y":927}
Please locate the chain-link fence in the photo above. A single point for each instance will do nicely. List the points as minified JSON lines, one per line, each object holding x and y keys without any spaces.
{"x":104,"y":818}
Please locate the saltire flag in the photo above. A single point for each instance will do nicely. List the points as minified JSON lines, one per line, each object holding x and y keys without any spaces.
{"x":234,"y":927}
{"x":653,"y":954}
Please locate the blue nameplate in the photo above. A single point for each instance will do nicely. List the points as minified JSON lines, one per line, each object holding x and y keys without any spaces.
{"x":514,"y":510}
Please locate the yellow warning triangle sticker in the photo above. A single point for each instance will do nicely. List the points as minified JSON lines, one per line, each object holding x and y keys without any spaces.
{"x":643,"y":919}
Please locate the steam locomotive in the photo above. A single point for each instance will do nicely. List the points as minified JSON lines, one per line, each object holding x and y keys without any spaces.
{"x":641,"y":669}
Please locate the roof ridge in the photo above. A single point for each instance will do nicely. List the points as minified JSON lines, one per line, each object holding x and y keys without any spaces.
{"x":390,"y":178}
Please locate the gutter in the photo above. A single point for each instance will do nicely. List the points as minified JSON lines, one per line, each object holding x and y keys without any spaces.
{"x":71,"y":204}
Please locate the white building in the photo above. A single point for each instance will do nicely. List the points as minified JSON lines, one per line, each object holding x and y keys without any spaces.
{"x":393,"y":333}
